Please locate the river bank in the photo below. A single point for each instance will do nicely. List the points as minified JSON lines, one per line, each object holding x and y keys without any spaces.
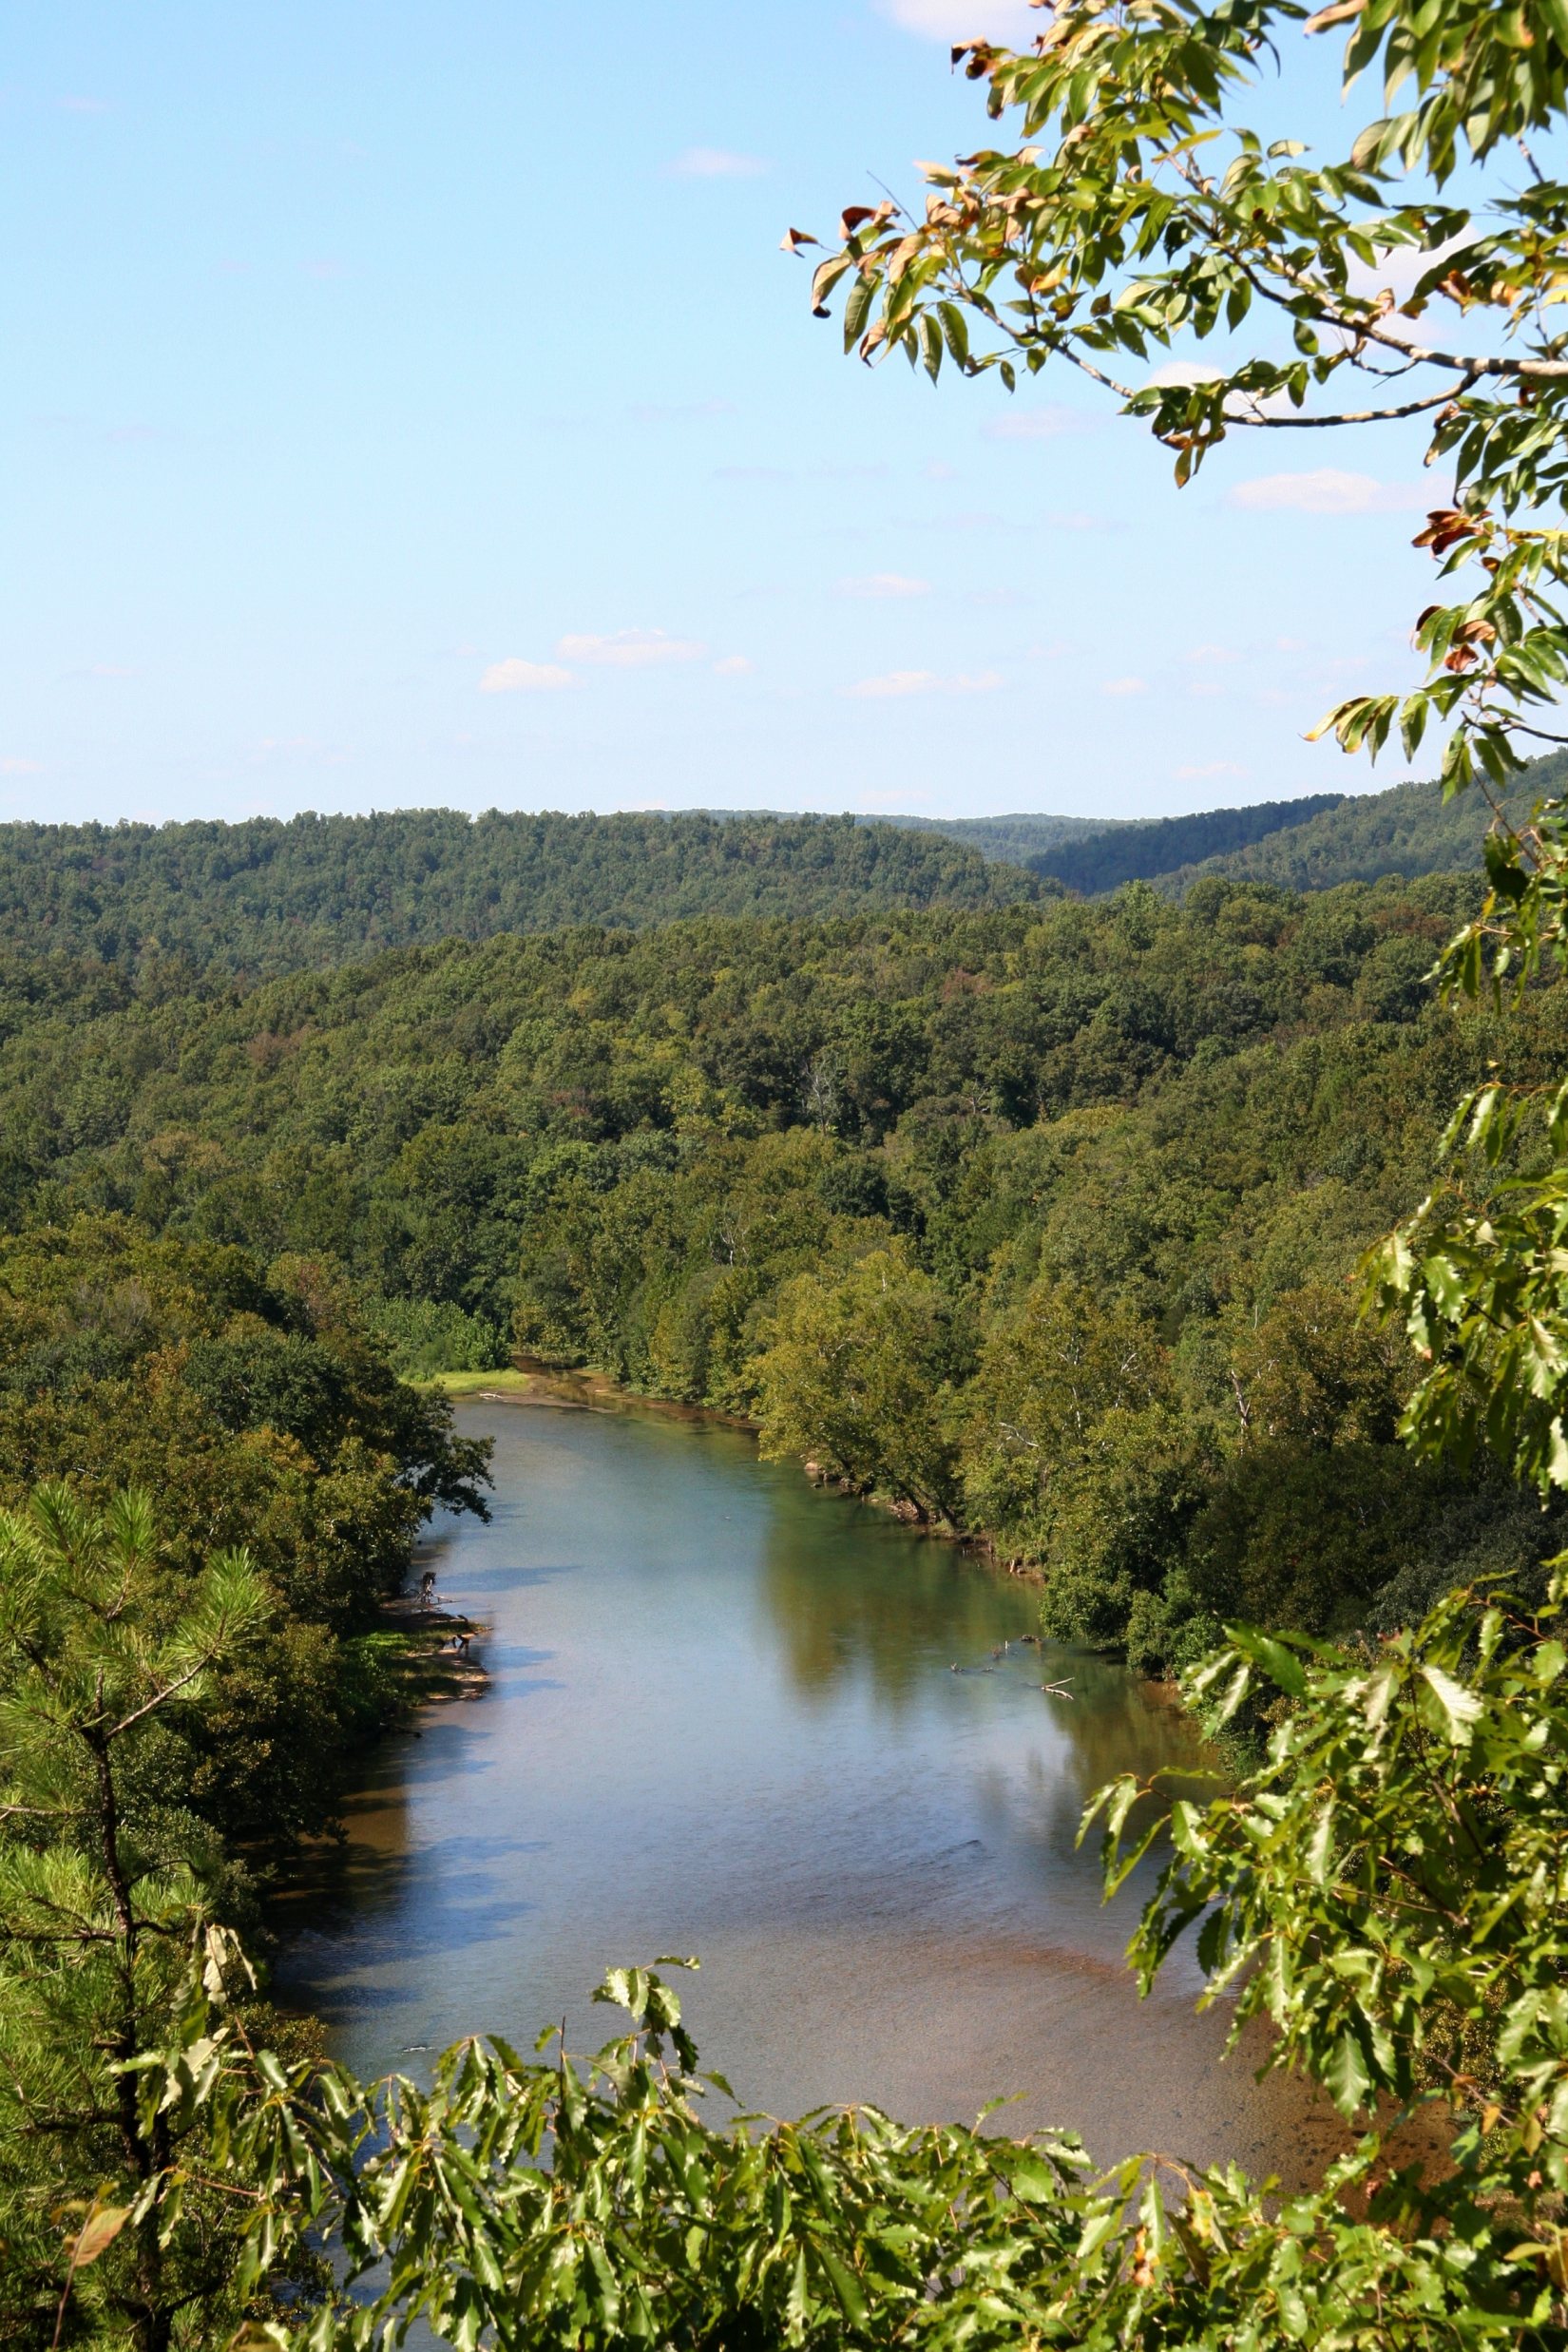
{"x":533,"y":1380}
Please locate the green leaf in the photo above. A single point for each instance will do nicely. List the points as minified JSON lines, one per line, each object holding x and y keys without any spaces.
{"x":1345,"y":2074}
{"x":1279,"y":1663}
{"x":1461,"y":1710}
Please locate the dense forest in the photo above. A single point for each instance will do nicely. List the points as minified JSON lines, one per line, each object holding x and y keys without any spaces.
{"x":1162,"y":844}
{"x":253,"y":1403}
{"x":265,"y":897}
{"x":262,"y":897}
{"x":1038,"y":1221}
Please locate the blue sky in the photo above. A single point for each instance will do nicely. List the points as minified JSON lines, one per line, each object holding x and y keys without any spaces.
{"x":409,"y":405}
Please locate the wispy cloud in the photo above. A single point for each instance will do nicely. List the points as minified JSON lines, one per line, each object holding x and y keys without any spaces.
{"x":1210,"y":769}
{"x":716,"y":163}
{"x":515,"y":676}
{"x":1325,"y":489}
{"x":21,"y":767}
{"x":893,"y":796}
{"x":631,"y":649}
{"x":963,"y":20}
{"x":893,"y":684}
{"x":733,"y":665}
{"x":1038,"y":424}
{"x":1204,"y":654}
{"x":882,"y":585}
{"x":1184,"y":372}
{"x":78,"y":104}
{"x":667,"y":412}
{"x":1126,"y":686}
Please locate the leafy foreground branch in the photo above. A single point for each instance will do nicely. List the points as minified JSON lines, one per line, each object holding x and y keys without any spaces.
{"x":1388,"y":1886}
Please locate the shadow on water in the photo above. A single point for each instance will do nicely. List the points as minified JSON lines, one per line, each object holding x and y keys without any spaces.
{"x":724,"y":1719}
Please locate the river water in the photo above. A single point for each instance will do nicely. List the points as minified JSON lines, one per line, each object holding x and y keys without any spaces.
{"x":725,"y":1720}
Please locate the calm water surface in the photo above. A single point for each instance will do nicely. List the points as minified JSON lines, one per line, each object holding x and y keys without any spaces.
{"x":723,"y":1720}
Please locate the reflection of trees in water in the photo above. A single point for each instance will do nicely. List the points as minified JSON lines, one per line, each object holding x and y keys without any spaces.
{"x":854,"y":1597}
{"x":363,"y":1874}
{"x":1119,"y":1723}
{"x":1116,"y":1725}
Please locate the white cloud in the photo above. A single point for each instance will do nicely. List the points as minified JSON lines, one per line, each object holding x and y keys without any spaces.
{"x":883,"y":584}
{"x":1038,"y":424}
{"x":1326,"y":490}
{"x":716,"y":163}
{"x":1124,"y":685}
{"x":1209,"y":769}
{"x":1398,"y":268}
{"x":733,"y":665}
{"x":630,"y":649}
{"x":21,"y":767}
{"x":516,"y":677}
{"x":1184,"y":372}
{"x":964,"y":20}
{"x":1203,"y":371}
{"x":1210,"y":653}
{"x":893,"y":684}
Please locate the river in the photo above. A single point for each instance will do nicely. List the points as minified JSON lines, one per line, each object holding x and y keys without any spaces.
{"x":725,"y":1720}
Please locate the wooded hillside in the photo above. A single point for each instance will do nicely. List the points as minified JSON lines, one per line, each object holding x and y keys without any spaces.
{"x":265,"y":897}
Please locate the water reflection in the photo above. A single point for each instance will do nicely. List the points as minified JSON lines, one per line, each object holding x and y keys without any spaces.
{"x":724,"y":1719}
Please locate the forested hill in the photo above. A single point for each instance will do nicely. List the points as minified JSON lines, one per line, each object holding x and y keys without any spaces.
{"x":1135,"y":852}
{"x":266,"y":896}
{"x":1094,"y":855}
{"x":1022,"y":840}
{"x":1406,"y":831}
{"x":1310,"y":844}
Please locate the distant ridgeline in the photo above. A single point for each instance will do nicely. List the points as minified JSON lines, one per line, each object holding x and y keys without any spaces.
{"x":1312,"y":844}
{"x":1135,"y":852}
{"x":265,"y":897}
{"x":1408,"y":831}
